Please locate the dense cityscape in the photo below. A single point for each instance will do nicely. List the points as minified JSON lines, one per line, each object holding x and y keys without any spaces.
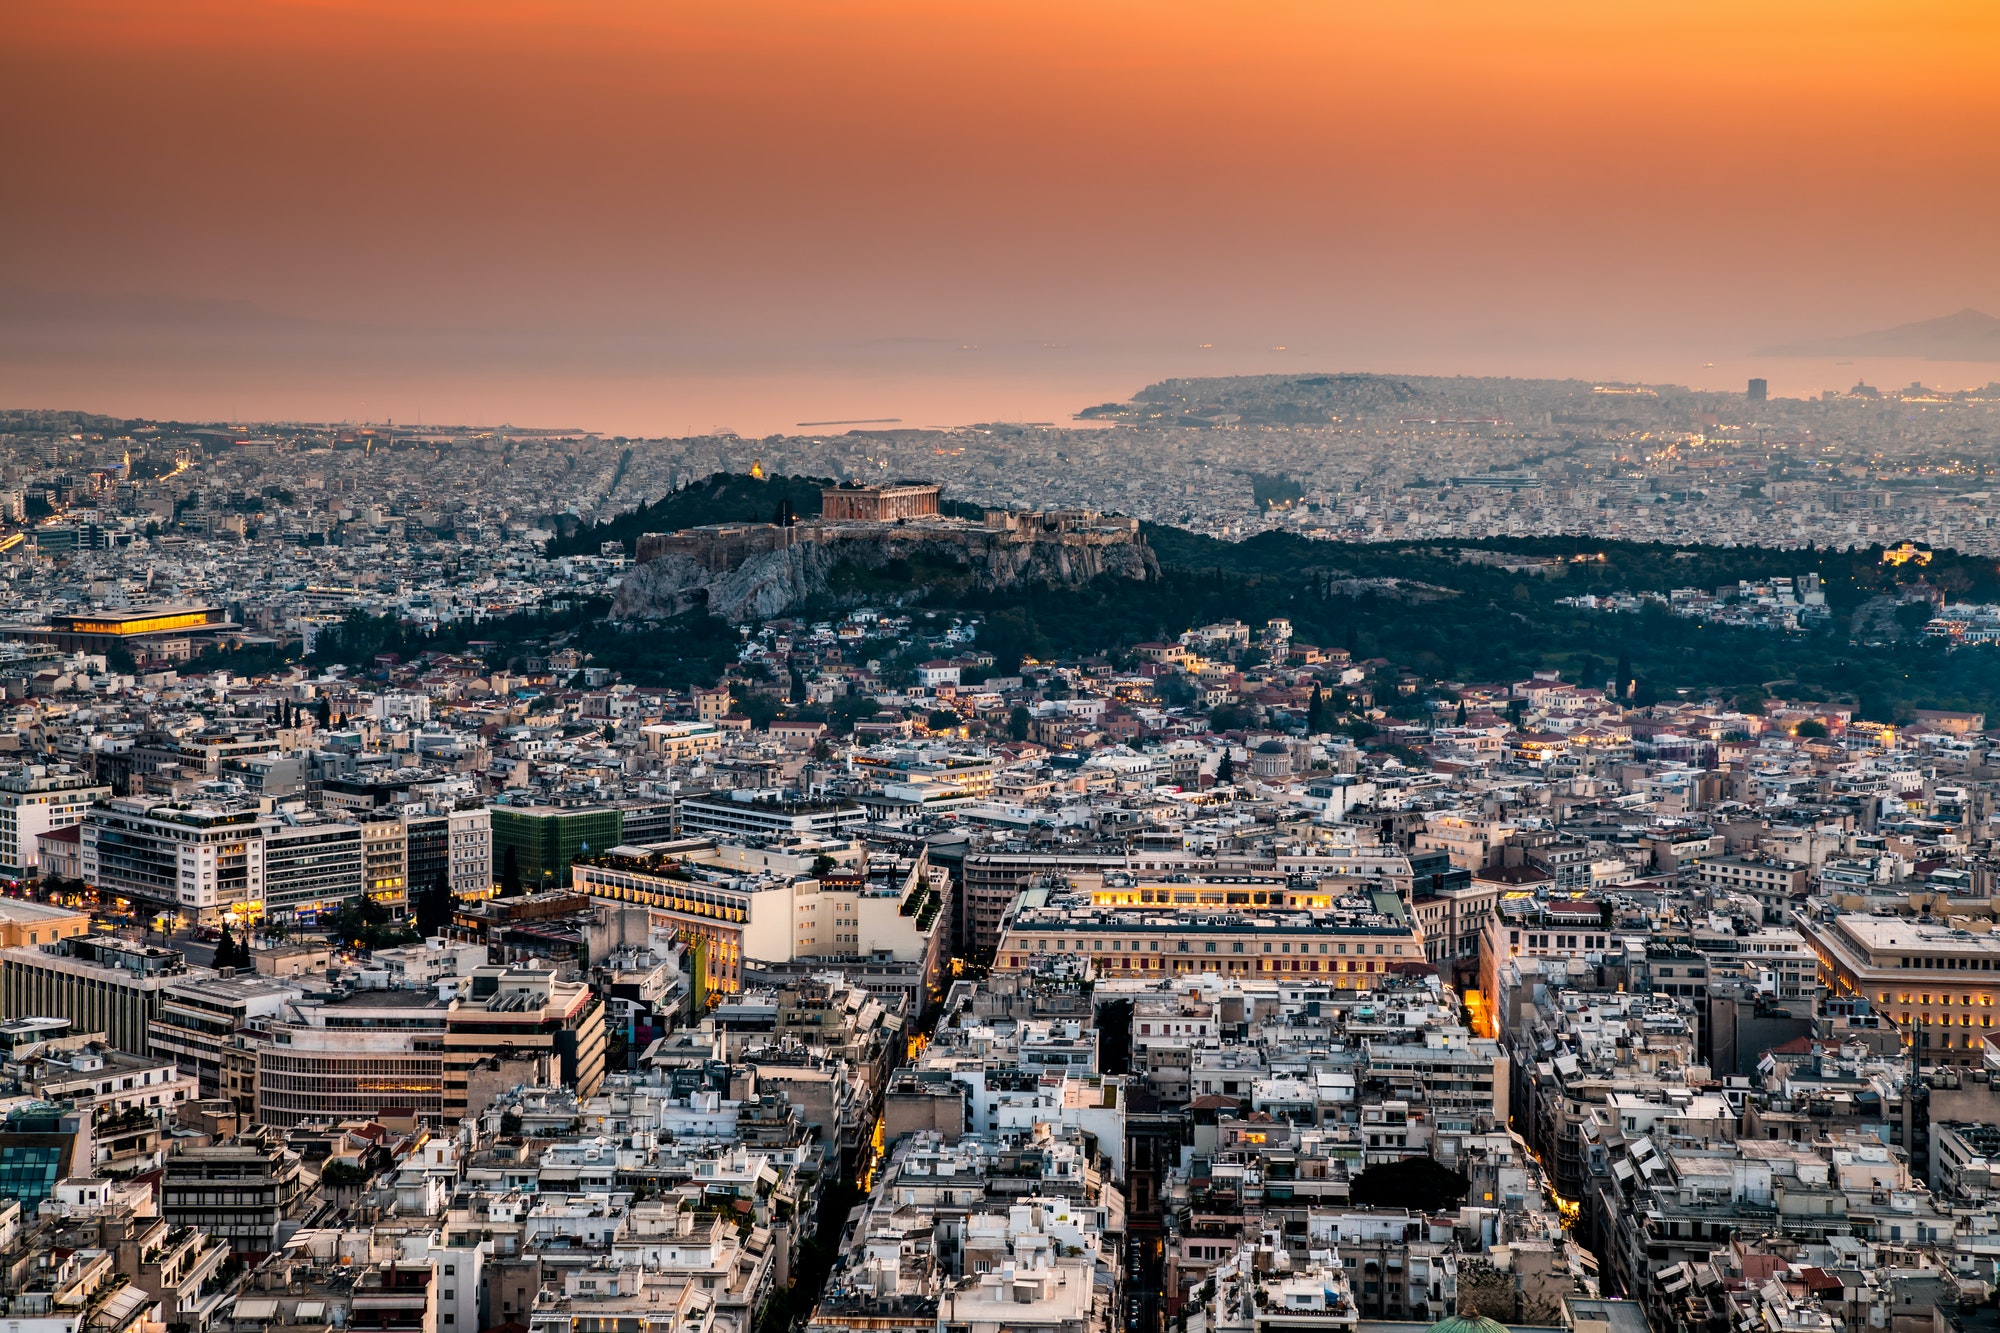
{"x":443,"y":897}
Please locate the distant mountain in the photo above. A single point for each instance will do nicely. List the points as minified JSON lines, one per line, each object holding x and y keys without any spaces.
{"x":1968,"y":335}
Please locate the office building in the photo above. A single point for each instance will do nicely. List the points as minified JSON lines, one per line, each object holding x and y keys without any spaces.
{"x":1350,"y":945}
{"x":766,"y":905}
{"x":511,"y":1011}
{"x":759,"y":816}
{"x":100,"y":984}
{"x":545,"y":839}
{"x":1937,"y":983}
{"x":353,"y":1057}
{"x":201,"y":862}
{"x":312,"y":865}
{"x":42,"y":1143}
{"x":226,"y":861}
{"x":199,"y":1018}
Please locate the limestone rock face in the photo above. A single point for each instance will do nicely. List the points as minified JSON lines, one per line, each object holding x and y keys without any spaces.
{"x":771,"y":583}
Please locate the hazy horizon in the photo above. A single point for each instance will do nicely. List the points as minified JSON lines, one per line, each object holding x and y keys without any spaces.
{"x":648,"y":219}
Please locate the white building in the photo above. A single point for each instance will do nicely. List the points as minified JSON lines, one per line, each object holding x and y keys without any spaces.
{"x":33,"y":801}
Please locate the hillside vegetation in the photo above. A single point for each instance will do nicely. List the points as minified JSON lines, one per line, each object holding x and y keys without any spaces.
{"x":1444,"y":617}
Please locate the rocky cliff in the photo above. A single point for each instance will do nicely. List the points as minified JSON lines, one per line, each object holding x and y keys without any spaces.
{"x":772,"y":583}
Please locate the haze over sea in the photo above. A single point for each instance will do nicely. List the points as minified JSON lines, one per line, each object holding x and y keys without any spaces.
{"x":646,"y":390}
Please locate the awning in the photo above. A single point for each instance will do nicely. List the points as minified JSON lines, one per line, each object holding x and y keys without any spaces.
{"x":253,"y":1309}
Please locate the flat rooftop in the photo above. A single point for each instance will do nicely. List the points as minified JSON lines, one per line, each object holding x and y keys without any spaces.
{"x":27,"y":913}
{"x":1885,"y":933}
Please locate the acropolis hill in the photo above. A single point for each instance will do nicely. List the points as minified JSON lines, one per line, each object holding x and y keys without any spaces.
{"x":747,"y":571}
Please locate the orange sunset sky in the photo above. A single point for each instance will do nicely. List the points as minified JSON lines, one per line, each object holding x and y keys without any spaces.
{"x":656,"y":216}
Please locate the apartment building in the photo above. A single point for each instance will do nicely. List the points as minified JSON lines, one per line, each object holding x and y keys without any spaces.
{"x":241,"y":1190}
{"x":385,"y":862}
{"x":1774,"y":883}
{"x":35,"y":800}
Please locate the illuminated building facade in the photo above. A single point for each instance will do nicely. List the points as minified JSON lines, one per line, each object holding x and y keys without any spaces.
{"x":155,"y":633}
{"x":212,"y":862}
{"x":1936,"y":983}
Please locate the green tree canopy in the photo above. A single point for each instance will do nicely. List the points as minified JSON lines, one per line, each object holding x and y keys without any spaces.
{"x":1421,"y":1183}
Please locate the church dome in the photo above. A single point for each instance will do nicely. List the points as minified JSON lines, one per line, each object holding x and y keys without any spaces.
{"x":1458,"y":1323}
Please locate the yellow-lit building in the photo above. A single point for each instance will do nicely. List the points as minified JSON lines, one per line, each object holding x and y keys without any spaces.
{"x":24,"y":923}
{"x":1937,"y":983}
{"x":165,"y":633}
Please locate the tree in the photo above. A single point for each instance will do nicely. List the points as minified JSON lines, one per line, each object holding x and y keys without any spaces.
{"x":1226,"y":770}
{"x":1517,"y":709}
{"x":1316,"y":711}
{"x":510,"y":875}
{"x":942,"y":719}
{"x":1810,"y":730}
{"x":366,"y":924}
{"x":435,"y":905}
{"x":1419,"y":1183}
{"x":225,"y":950}
{"x":1017,"y":723}
{"x":1458,"y":718}
{"x":1624,"y":675}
